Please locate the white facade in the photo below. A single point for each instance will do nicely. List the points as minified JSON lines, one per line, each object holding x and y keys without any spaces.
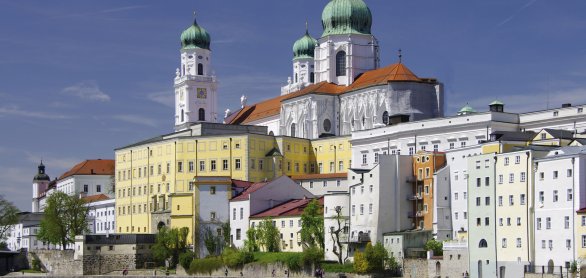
{"x":256,"y":200}
{"x":378,"y":202}
{"x":560,"y":178}
{"x":86,"y":185}
{"x":457,"y":161}
{"x":102,"y":217}
{"x":213,"y":200}
{"x":24,"y":233}
{"x":195,"y":89}
{"x":321,"y":187}
{"x":333,"y":222}
{"x":442,"y":223}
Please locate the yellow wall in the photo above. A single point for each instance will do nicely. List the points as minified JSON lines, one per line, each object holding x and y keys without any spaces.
{"x":334,"y":150}
{"x":580,"y":231}
{"x":290,"y":234}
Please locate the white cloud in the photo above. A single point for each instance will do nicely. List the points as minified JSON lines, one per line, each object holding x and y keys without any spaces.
{"x":88,"y":90}
{"x":136,"y":119}
{"x":164,"y":98}
{"x":14,"y":110}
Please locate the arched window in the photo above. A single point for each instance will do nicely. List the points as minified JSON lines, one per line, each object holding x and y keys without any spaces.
{"x":271,"y":133}
{"x":482,"y":244}
{"x":200,"y":69}
{"x":202,"y":114}
{"x":182,"y":115}
{"x":438,"y":269}
{"x":312,"y":77}
{"x":341,"y":63}
{"x":296,"y":78}
{"x":293,"y":130}
{"x":480,"y":268}
{"x":386,"y":118}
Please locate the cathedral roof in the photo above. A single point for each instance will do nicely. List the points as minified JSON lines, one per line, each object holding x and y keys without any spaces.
{"x":91,"y":167}
{"x":271,"y":107}
{"x":304,"y":47}
{"x":341,"y":17}
{"x":195,"y":37}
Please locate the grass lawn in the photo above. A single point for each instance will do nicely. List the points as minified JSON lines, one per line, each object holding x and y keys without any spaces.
{"x":267,"y":258}
{"x":31,"y":271}
{"x":332,"y":267}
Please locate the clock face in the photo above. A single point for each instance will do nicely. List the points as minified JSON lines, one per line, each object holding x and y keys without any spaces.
{"x":202,"y":93}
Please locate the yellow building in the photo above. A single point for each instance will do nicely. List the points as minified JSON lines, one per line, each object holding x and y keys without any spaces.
{"x":155,"y":177}
{"x":580,"y":226}
{"x":287,"y":218}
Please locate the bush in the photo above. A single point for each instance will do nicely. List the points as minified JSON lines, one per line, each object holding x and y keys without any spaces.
{"x":360,"y":263}
{"x":36,"y":265}
{"x":335,"y":267}
{"x":294,"y":261}
{"x":312,"y":255}
{"x":234,"y":258}
{"x":205,"y":266}
{"x":186,"y":258}
{"x":436,"y":246}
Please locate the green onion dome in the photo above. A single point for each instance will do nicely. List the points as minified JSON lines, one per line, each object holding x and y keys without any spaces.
{"x":304,"y":47}
{"x":341,"y":17}
{"x":195,"y":37}
{"x":467,"y":109}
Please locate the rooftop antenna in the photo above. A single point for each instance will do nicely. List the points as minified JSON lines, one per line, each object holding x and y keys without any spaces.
{"x":400,"y":56}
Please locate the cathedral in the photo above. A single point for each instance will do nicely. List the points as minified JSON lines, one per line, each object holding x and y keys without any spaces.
{"x":337,"y":85}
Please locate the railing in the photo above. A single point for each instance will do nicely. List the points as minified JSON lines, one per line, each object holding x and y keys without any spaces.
{"x":414,"y":197}
{"x":548,"y":269}
{"x":455,"y":244}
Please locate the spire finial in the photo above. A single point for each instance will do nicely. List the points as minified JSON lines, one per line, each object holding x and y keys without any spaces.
{"x":194,"y":19}
{"x":306,"y":27}
{"x":400,"y":56}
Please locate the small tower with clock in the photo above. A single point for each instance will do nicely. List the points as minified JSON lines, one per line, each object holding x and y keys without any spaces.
{"x":195,"y":84}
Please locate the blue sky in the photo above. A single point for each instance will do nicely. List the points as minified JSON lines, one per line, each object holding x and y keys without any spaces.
{"x":80,"y":78}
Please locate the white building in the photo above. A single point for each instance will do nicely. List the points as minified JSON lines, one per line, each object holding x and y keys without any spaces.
{"x":88,"y":178}
{"x":260,"y":197}
{"x":24,"y":233}
{"x":321,"y":184}
{"x":101,"y":214}
{"x":334,"y":201}
{"x":559,"y":193}
{"x":195,"y":84}
{"x":378,"y":199}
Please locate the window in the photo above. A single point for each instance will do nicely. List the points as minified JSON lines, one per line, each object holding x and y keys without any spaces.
{"x":325,"y":183}
{"x":180,"y":166}
{"x":566,"y":222}
{"x":478,"y":182}
{"x":568,"y":243}
{"x":465,"y":195}
{"x":482,"y":244}
{"x":500,"y":221}
{"x":517,"y":159}
{"x":411,"y":150}
{"x":201,"y":114}
{"x":168,"y":167}
{"x":486,"y":221}
{"x":583,"y":241}
{"x":370,"y":209}
{"x":511,"y":178}
{"x":500,"y":179}
{"x":436,"y":148}
{"x":237,"y":162}
{"x":370,"y":188}
{"x":487,"y":201}
{"x":212,"y":190}
{"x":543,"y":244}
{"x":487,"y":181}
{"x":261,"y":165}
{"x":361,"y":209}
{"x":570,"y":195}
{"x":386,"y":117}
{"x":550,"y":243}
{"x":341,"y":166}
{"x":456,"y":196}
{"x":478,"y":221}
{"x":506,"y":161}
{"x":518,"y":221}
{"x":85,"y":188}
{"x":202,"y":165}
{"x":191,"y":167}
{"x":463,"y":144}
{"x":541,"y":196}
{"x":583,"y":220}
{"x":555,"y":196}
{"x":555,"y":174}
{"x":541,"y":176}
{"x":504,"y":243}
{"x":234,"y":214}
{"x":500,"y":201}
{"x":341,"y":63}
{"x":508,"y":221}
{"x":569,"y":173}
{"x":477,"y":201}
{"x":98,"y":188}
{"x":518,"y":242}
{"x":353,"y":210}
{"x":548,"y":223}
{"x":523,"y":175}
{"x":364,"y":158}
{"x":213,"y":215}
{"x":292,"y":134}
{"x":522,"y":199}
{"x":238,"y":234}
{"x":452,"y":145}
{"x":225,"y":164}
{"x":199,"y":69}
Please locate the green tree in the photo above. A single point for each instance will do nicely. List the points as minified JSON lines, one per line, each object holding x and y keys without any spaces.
{"x":170,"y":244}
{"x":65,"y":217}
{"x":251,"y":242}
{"x":312,"y":225}
{"x":372,"y":260}
{"x":436,"y":246}
{"x":268,"y":236}
{"x":213,"y":243}
{"x":360,"y":263}
{"x":8,"y":216}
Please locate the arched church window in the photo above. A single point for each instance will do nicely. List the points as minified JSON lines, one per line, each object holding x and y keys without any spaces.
{"x":182,"y":115}
{"x":386,"y":118}
{"x":341,"y":63}
{"x":293,"y":130}
{"x":202,"y":114}
{"x":363,"y":121}
{"x":296,"y":78}
{"x":312,"y":77}
{"x":482,"y":244}
{"x":327,"y":125}
{"x":200,"y":69}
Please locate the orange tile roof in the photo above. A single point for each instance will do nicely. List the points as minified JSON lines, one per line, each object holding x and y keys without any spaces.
{"x":271,"y":107}
{"x":91,"y":167}
{"x":320,"y":176}
{"x":95,"y":198}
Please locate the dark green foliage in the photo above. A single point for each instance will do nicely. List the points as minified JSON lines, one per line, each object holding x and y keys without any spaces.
{"x":331,"y":267}
{"x":36,"y":264}
{"x":251,"y":243}
{"x":436,"y":246}
{"x":372,"y":260}
{"x":170,"y":244}
{"x":312,"y":225}
{"x":268,"y":236}
{"x":234,"y":258}
{"x":186,"y":258}
{"x":205,"y":265}
{"x":312,"y":255}
{"x":65,"y":217}
{"x":8,"y":216}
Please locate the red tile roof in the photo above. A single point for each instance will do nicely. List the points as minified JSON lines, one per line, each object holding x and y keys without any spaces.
{"x":289,"y":208}
{"x":320,"y":176}
{"x":272,"y":107}
{"x":241,"y":183}
{"x":254,"y":187}
{"x":91,"y":167}
{"x":95,"y":198}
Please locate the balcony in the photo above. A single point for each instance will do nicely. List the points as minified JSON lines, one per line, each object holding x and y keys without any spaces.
{"x":417,"y":214}
{"x":360,"y":238}
{"x":416,"y":197}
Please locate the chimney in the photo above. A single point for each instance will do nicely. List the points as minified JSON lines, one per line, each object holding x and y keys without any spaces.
{"x":566,"y":105}
{"x":93,"y":172}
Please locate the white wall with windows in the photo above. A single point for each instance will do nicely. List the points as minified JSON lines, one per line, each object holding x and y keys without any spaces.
{"x":102,"y":217}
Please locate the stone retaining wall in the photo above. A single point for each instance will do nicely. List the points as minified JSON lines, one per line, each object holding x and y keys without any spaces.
{"x":57,"y":262}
